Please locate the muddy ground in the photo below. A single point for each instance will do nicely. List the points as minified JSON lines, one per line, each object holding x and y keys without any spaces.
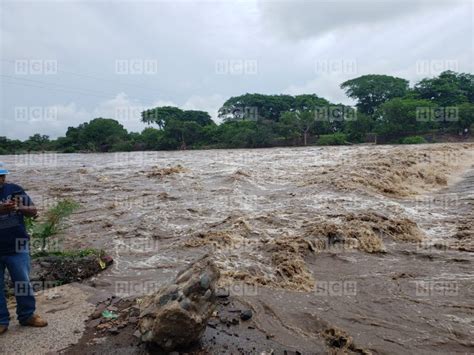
{"x":353,"y":249}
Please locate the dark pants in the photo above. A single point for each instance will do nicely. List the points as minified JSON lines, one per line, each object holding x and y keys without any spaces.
{"x":18,"y":266}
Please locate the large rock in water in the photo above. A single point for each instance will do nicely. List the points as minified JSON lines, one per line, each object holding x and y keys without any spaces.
{"x":177,"y":315}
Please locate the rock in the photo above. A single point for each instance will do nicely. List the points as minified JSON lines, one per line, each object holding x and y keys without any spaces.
{"x":184,"y":276}
{"x":53,"y":296}
{"x":185,"y":304}
{"x":246,"y":315}
{"x":205,"y":281}
{"x":222,"y":293}
{"x":229,"y":320}
{"x":177,"y":315}
{"x":137,"y":334}
{"x":98,"y":312}
{"x":113,"y":331}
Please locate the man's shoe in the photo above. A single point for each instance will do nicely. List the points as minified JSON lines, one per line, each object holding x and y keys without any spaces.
{"x":3,"y":329}
{"x":35,"y":321}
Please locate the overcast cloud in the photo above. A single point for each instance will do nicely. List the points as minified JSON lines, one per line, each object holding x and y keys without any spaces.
{"x":198,"y":54}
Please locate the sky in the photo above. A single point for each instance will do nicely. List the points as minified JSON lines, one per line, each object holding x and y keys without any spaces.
{"x":66,"y":62}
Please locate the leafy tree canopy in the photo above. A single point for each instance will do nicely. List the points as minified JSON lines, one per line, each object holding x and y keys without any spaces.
{"x":268,"y":107}
{"x":163,"y":115}
{"x":448,"y":89}
{"x":371,"y":91}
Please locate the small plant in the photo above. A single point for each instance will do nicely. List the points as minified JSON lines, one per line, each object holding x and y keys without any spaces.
{"x":413,"y":140}
{"x":332,"y":139}
{"x":52,"y":224}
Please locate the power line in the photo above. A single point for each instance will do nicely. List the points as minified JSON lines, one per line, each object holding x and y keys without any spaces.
{"x":55,"y":84}
{"x":90,"y":76}
{"x":56,"y":89}
{"x":65,"y":88}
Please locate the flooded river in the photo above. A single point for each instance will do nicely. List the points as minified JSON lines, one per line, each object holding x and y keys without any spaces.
{"x":364,"y":249}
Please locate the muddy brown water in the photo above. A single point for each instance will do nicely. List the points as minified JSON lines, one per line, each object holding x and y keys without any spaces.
{"x":412,"y":296}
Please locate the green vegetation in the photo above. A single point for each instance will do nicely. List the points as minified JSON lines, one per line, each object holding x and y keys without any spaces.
{"x":54,"y":220}
{"x":386,"y":106}
{"x":371,"y":91}
{"x":333,"y":139}
{"x":413,"y":140}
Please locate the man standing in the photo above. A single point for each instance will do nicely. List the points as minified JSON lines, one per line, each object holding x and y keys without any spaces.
{"x":15,"y":204}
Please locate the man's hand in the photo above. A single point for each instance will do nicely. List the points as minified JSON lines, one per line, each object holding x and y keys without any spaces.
{"x":7,"y":207}
{"x":28,"y":211}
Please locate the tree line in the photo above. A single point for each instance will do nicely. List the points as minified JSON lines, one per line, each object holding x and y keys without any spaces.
{"x":386,"y":106}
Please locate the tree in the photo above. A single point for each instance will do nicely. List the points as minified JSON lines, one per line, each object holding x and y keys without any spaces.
{"x":101,"y":133}
{"x":269,"y":107}
{"x":371,"y":91}
{"x":184,"y":133}
{"x":163,"y":115}
{"x":466,"y":116}
{"x":309,"y":102}
{"x":357,"y":129}
{"x":244,"y":134}
{"x":299,"y":121}
{"x":180,"y":128}
{"x":256,"y":106}
{"x":385,"y":105}
{"x":37,"y":142}
{"x":399,"y":116}
{"x":151,"y":137}
{"x":449,"y":89}
{"x":8,"y":146}
{"x":200,"y":117}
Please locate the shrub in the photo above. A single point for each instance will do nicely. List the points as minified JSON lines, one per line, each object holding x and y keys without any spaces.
{"x":53,"y":222}
{"x":413,"y":140}
{"x":332,"y":139}
{"x":69,"y":150}
{"x":122,"y":147}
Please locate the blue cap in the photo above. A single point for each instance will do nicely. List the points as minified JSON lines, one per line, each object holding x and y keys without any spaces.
{"x":3,"y":171}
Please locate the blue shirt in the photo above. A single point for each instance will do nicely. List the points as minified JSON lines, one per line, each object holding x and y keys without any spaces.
{"x":13,"y":234}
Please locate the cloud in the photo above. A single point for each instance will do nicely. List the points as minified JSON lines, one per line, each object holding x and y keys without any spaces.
{"x":300,"y":19}
{"x":210,"y":104}
{"x":299,"y":46}
{"x":53,"y":120}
